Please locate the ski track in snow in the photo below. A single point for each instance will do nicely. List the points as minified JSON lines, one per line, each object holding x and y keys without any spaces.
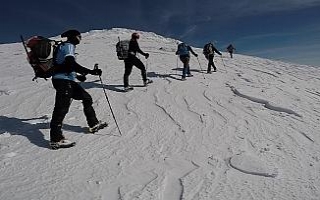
{"x":201,"y":139}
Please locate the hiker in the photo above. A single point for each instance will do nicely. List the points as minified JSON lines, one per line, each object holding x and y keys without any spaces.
{"x":184,"y":54}
{"x":132,"y":60}
{"x":208,"y":51}
{"x":63,"y":80}
{"x":230,"y":49}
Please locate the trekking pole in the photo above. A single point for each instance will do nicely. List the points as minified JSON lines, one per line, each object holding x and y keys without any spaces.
{"x":147,"y":65}
{"x":201,"y":68}
{"x":177,"y":65}
{"x":224,"y":64}
{"x":146,"y":73}
{"x":105,"y":93}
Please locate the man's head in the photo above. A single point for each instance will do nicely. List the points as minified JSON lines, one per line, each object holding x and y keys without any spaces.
{"x":73,"y":36}
{"x":135,"y":36}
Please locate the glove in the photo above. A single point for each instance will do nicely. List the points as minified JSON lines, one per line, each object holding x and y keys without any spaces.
{"x":96,"y":72}
{"x":196,"y":55}
{"x":81,"y":78}
{"x":146,"y":55}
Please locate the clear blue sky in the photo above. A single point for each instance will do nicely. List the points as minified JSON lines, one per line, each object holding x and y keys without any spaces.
{"x":288,"y":30}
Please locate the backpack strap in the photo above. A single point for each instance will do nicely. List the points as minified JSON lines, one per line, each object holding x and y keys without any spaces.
{"x":56,"y":46}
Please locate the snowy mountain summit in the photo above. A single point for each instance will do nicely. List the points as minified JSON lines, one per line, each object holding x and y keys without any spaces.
{"x":251,"y":130}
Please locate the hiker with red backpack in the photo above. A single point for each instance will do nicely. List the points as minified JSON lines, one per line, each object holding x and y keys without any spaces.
{"x":132,"y":60}
{"x":63,"y":80}
{"x":208,"y":51}
{"x":184,"y":53}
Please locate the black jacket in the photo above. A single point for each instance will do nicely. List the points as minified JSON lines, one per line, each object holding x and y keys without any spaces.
{"x":214,"y":49}
{"x":230,"y":48}
{"x":134,"y":48}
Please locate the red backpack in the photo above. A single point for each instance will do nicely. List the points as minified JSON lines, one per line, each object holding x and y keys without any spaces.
{"x":41,"y":54}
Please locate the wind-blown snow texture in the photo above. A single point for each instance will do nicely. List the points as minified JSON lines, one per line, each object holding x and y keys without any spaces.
{"x":249,"y":131}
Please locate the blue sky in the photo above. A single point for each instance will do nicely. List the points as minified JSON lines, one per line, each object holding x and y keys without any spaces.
{"x":287,"y":30}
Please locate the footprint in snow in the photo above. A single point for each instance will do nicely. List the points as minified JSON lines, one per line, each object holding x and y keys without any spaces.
{"x":10,"y":155}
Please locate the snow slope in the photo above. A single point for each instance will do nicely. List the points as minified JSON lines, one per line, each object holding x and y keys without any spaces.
{"x":249,"y":131}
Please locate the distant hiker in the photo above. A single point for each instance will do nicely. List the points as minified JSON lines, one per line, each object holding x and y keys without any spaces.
{"x":132,"y":60}
{"x":184,"y":54}
{"x":230,"y":49}
{"x":63,"y":80}
{"x":208,"y":51}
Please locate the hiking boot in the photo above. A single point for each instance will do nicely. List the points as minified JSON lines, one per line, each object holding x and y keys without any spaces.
{"x":183,"y":78}
{"x":64,"y":143}
{"x":128,"y":88}
{"x":98,"y":126}
{"x":209,"y":72}
{"x":190,"y":75}
{"x":148,"y":81}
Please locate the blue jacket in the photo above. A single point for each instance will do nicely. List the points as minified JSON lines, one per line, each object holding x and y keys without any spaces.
{"x":64,"y":50}
{"x":67,"y":67}
{"x":184,"y":50}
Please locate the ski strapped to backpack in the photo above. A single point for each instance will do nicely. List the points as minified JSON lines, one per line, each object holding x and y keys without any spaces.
{"x":122,"y":48}
{"x":41,"y":55}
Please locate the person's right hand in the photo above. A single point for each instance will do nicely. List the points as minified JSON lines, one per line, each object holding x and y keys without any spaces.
{"x":96,"y":72}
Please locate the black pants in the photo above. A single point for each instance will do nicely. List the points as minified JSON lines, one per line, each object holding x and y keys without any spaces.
{"x":129,"y":63}
{"x":211,"y":63}
{"x":186,"y":67}
{"x":66,"y":91}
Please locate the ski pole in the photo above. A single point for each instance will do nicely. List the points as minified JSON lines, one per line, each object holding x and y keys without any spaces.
{"x":201,"y":68}
{"x":105,"y":93}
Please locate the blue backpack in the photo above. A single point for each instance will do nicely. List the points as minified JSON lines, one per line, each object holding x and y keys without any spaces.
{"x":182,"y":49}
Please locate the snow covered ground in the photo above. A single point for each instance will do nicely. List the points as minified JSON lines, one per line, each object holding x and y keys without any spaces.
{"x":249,"y":131}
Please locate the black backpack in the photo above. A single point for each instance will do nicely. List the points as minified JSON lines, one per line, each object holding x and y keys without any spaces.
{"x":122,"y":48}
{"x":41,"y":53}
{"x":208,"y":49}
